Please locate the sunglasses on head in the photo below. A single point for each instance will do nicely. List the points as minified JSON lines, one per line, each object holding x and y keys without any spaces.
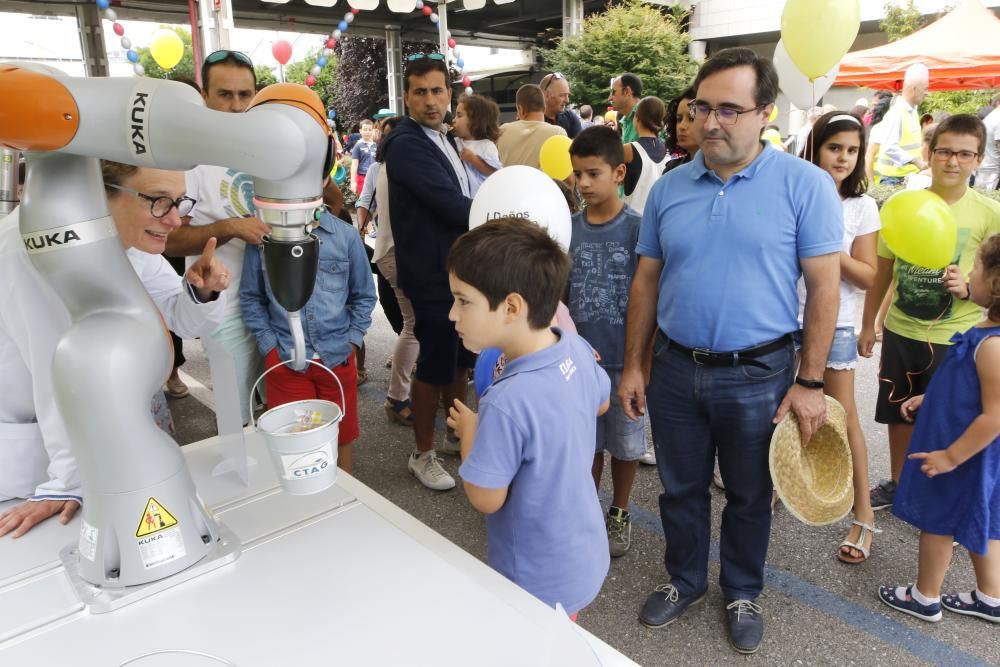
{"x":550,"y":78}
{"x":225,"y":54}
{"x":421,"y":56}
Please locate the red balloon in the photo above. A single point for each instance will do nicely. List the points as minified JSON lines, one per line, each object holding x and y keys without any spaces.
{"x":451,"y":43}
{"x":427,"y":10}
{"x":310,"y":80}
{"x":282,"y":51}
{"x":466,"y":81}
{"x":331,"y":42}
{"x":355,"y":11}
{"x":118,"y":28}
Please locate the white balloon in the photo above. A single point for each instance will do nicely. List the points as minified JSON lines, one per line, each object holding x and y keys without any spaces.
{"x":523,"y":192}
{"x":802,"y":92}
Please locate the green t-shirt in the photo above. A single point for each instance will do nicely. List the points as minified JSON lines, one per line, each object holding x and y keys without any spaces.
{"x":629,"y":133}
{"x":922,"y":309}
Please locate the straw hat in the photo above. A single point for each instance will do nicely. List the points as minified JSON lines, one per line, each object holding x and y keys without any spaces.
{"x":815,"y":482}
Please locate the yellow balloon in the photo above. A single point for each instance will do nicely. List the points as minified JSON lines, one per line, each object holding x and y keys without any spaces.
{"x":166,"y":48}
{"x":773,"y":137}
{"x":611,"y":116}
{"x":919,"y":227}
{"x":774,"y":114}
{"x":817,"y":33}
{"x":554,"y":158}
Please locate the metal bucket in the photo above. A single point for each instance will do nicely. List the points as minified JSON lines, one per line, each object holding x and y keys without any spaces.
{"x":301,"y":438}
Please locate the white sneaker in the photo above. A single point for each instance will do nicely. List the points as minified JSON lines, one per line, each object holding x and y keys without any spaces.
{"x":649,"y":458}
{"x":426,"y":468}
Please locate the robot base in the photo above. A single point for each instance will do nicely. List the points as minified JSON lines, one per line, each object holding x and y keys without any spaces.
{"x":223,"y":551}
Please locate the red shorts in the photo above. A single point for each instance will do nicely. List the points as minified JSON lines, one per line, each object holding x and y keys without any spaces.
{"x":286,"y":386}
{"x":359,"y":181}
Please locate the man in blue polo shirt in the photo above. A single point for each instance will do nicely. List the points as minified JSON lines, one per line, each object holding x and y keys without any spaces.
{"x":722,"y":243}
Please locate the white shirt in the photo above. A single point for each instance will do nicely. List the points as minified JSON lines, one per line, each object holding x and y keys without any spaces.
{"x":860,"y":218}
{"x":222,"y":193}
{"x":992,"y":158}
{"x":35,"y":455}
{"x":441,"y":141}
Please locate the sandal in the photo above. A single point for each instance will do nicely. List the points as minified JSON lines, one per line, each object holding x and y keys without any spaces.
{"x":399,"y":411}
{"x":362,"y":376}
{"x":866,"y":530}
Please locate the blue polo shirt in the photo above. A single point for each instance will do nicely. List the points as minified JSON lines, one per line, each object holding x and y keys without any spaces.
{"x":731,"y":250}
{"x":537,"y":425}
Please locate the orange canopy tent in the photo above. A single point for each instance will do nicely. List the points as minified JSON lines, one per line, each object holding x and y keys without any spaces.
{"x":961,"y":50}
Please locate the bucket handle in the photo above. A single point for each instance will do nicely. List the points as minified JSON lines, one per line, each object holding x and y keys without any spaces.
{"x":343,"y":397}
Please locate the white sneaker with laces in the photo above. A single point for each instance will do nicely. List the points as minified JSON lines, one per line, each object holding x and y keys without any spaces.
{"x":429,"y":471}
{"x":649,"y":458}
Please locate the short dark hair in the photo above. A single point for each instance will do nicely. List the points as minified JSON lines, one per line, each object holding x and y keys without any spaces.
{"x":530,"y":97}
{"x":880,"y":109}
{"x":962,"y":123}
{"x":686,"y":94}
{"x":423,"y":67}
{"x":989,"y":255}
{"x":651,"y":111}
{"x":513,"y":255}
{"x":632,"y":82}
{"x":484,"y":116}
{"x":766,"y":88}
{"x":829,"y":124}
{"x":241,"y":60}
{"x":599,"y":141}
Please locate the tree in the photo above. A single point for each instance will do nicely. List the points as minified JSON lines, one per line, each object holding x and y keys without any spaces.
{"x":265,"y":76}
{"x":900,"y":21}
{"x":326,"y":82}
{"x":183,"y":70}
{"x":629,"y":37}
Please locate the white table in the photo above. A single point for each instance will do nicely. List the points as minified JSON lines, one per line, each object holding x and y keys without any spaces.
{"x":342,"y":577}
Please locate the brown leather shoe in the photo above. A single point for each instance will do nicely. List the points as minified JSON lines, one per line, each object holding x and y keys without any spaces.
{"x":176,"y":387}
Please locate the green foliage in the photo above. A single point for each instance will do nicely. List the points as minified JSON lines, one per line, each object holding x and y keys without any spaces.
{"x":900,"y":21}
{"x":183,"y":70}
{"x":326,"y":82}
{"x":957,"y":101}
{"x":630,"y":36}
{"x":265,"y":75}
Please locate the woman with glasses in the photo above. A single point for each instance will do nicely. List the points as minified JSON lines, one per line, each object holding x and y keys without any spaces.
{"x":36,"y":463}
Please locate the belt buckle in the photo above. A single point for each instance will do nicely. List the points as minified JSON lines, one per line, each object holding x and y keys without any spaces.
{"x":700,"y":351}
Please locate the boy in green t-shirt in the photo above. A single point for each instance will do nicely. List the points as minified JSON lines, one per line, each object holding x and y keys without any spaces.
{"x":929,"y":306}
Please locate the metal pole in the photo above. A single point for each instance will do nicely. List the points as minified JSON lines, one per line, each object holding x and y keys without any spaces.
{"x":393,"y":60}
{"x":442,"y":13}
{"x":195,"y":42}
{"x":9,"y":160}
{"x":95,"y":57}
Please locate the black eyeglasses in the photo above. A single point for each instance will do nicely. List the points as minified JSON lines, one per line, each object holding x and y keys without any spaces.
{"x":725,"y":115}
{"x":421,"y":56}
{"x":549,"y":78}
{"x":225,"y":54}
{"x":159,"y":206}
{"x":963,"y":157}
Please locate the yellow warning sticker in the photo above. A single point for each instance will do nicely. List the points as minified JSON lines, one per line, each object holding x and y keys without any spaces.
{"x":154,"y":519}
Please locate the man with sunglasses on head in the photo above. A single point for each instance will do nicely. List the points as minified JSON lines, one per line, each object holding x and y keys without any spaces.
{"x":226,"y":211}
{"x":740,"y":224}
{"x":429,"y":199}
{"x":556,"y":89}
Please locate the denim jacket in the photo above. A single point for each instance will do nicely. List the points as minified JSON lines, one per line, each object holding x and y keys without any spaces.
{"x":337,"y":314}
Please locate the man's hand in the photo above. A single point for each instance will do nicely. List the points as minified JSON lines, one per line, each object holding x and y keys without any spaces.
{"x":27,"y":515}
{"x":910,"y":407}
{"x":934,"y":463}
{"x":632,"y":393}
{"x":866,"y":342}
{"x":809,"y":406}
{"x":954,"y":282}
{"x":251,"y":230}
{"x":208,"y":274}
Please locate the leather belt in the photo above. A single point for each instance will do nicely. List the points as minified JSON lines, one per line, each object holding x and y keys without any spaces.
{"x":747,"y":357}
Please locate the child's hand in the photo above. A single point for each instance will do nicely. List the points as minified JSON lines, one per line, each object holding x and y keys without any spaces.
{"x":463,"y":422}
{"x":467,"y":154}
{"x":934,"y":463}
{"x":910,"y":408}
{"x":954,"y":282}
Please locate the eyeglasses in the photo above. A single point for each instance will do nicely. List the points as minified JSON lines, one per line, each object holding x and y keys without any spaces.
{"x":161,"y":205}
{"x":549,"y":78}
{"x":421,"y":56}
{"x":963,"y":157}
{"x":225,"y":54}
{"x":725,"y":115}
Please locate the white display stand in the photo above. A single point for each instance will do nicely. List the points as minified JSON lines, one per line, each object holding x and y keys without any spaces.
{"x":342,"y":577}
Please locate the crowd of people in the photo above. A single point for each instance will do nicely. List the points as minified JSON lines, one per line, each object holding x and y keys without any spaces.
{"x":713,"y":285}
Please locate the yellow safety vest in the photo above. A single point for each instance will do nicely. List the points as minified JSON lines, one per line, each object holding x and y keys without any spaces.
{"x":910,"y":140}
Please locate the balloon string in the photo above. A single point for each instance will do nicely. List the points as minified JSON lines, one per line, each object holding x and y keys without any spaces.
{"x":910,"y":375}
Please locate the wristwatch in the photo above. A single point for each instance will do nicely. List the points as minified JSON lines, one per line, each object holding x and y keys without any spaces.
{"x":809,"y":384}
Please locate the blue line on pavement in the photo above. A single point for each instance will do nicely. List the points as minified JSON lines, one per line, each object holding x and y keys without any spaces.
{"x":912,"y":641}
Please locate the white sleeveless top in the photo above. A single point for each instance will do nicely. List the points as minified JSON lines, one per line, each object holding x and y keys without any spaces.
{"x":650,"y":172}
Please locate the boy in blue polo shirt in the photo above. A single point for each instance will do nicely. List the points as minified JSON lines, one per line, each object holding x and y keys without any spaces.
{"x":527,"y":456}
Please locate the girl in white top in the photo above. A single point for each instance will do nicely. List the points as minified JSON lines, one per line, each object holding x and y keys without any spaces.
{"x":645,"y":158}
{"x":36,"y":461}
{"x":837,"y":145}
{"x":477,"y":128}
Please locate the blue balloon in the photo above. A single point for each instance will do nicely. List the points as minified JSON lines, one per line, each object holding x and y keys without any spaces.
{"x":321,"y":61}
{"x":342,"y":26}
{"x":461,"y":63}
{"x":132,"y":56}
{"x":332,"y":114}
{"x":485,"y":365}
{"x":103,"y":4}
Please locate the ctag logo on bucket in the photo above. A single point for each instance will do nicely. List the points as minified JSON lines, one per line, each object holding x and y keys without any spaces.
{"x":310,"y":464}
{"x":154,"y":519}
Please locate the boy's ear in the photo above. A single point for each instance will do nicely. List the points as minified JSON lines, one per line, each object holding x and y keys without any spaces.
{"x":514,"y":307}
{"x":618,"y":173}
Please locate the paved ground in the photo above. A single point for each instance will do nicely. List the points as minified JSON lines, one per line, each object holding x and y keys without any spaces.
{"x":817,"y":610}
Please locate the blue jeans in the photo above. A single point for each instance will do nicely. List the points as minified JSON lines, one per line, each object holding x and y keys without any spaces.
{"x":694,"y":411}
